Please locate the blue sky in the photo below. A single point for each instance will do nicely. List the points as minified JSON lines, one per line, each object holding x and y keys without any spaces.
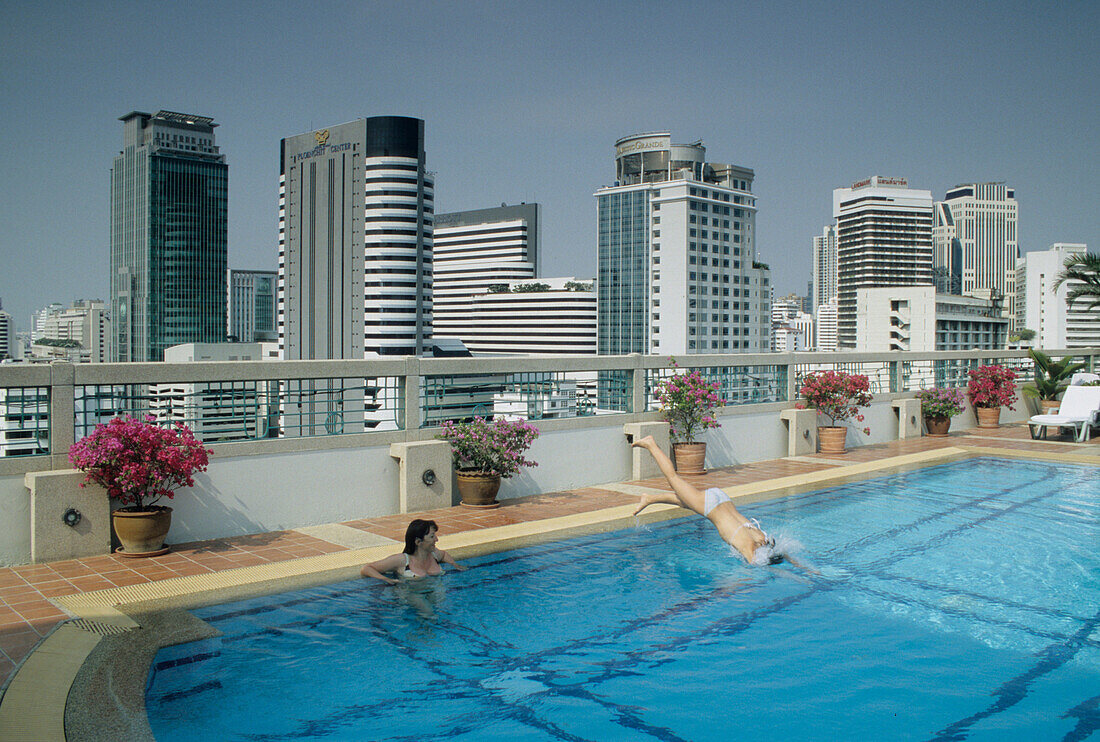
{"x":523,"y":102}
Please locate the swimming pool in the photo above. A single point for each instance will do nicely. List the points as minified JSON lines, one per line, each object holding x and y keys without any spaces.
{"x":955,"y":602}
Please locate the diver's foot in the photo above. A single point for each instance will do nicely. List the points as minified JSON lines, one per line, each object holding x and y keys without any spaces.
{"x":646,"y":442}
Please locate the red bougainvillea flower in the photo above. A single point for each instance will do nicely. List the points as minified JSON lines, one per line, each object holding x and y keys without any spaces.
{"x":688,"y":403}
{"x":138,"y":462}
{"x":992,"y":386}
{"x":837,"y":395}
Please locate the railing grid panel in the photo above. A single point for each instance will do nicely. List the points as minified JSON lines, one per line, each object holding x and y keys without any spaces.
{"x":533,"y":395}
{"x":24,"y":421}
{"x":226,"y":411}
{"x":737,"y":385}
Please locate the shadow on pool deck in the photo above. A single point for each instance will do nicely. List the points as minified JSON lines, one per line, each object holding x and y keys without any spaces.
{"x":27,"y":613}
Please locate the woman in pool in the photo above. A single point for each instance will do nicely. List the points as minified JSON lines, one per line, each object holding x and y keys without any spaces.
{"x":745,"y":535}
{"x":419,"y":559}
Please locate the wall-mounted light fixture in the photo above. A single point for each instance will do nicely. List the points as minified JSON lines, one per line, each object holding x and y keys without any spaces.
{"x":428,"y":477}
{"x":71,"y":517}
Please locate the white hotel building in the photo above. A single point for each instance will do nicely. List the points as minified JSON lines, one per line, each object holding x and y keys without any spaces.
{"x":677,"y":270}
{"x":1056,"y":324}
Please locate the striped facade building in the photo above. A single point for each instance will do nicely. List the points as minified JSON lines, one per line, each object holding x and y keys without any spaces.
{"x":975,"y":245}
{"x":477,"y":250}
{"x":355,"y":241}
{"x":884,"y":238}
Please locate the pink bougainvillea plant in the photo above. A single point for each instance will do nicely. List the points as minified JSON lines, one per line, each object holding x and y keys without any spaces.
{"x":992,"y":386}
{"x":837,"y":395}
{"x":138,"y":462}
{"x":495,"y":447}
{"x":688,"y":403}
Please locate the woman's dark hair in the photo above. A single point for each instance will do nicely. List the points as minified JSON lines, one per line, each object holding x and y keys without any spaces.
{"x":417,"y":530}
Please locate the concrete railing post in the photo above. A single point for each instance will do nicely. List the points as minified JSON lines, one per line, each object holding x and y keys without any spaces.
{"x":642,"y":465}
{"x":792,"y":381}
{"x":62,"y":414}
{"x":801,"y":431}
{"x":410,"y":404}
{"x":637,"y":384}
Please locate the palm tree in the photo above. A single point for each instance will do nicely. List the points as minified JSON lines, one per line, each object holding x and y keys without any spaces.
{"x":1083,"y":267}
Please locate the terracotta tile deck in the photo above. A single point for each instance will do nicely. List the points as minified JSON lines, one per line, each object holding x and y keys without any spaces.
{"x":26,"y":613}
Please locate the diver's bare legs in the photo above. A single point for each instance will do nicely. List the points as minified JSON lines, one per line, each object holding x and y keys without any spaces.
{"x":683,"y":494}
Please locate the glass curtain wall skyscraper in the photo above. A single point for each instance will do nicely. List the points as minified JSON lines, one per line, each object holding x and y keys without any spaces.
{"x":169,"y":199}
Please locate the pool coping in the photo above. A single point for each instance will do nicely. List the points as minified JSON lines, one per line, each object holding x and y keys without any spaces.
{"x":54,"y":688}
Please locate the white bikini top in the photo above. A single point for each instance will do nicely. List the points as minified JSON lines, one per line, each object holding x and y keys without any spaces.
{"x":407,"y":572}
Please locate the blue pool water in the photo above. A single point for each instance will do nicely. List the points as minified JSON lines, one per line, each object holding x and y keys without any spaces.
{"x":955,"y":602}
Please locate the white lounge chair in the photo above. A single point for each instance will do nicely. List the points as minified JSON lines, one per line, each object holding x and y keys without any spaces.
{"x":1083,"y":377}
{"x":1079,"y":409}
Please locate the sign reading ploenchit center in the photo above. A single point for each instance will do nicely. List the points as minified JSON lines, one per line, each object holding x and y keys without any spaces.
{"x":322,"y":148}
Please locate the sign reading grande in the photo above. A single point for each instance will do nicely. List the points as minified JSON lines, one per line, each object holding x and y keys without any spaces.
{"x":642,"y":144}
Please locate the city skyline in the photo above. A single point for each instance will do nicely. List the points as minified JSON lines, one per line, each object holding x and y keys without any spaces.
{"x":811,"y":99}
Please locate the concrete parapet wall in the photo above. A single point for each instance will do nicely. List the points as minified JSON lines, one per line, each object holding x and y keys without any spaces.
{"x":267,"y":485}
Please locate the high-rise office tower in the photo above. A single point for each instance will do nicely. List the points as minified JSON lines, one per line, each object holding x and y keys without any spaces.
{"x":251,"y":303}
{"x":476,"y":250}
{"x":355,"y":241}
{"x":974,"y":241}
{"x":169,"y":196}
{"x":884,"y":238}
{"x":677,"y":269}
{"x":824,"y":280}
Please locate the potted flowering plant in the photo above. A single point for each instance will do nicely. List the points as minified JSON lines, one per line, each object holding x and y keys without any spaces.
{"x":1051,"y":378}
{"x":938,"y":407}
{"x":838,"y":396}
{"x":990,"y":388}
{"x":484,"y":452}
{"x":138,"y":463}
{"x":688,"y":403}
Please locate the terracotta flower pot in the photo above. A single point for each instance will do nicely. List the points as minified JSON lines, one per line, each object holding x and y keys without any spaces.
{"x":830,"y":439}
{"x":142,"y":532}
{"x":988,"y":417}
{"x":478,"y":489}
{"x":937,"y":426}
{"x":689,"y":457}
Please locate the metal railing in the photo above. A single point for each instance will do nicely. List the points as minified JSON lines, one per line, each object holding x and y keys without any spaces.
{"x":44,"y":409}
